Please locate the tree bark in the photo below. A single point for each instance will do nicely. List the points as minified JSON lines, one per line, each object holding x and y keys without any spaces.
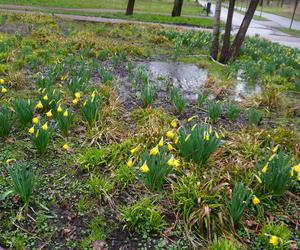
{"x":216,"y":31}
{"x":177,"y":8}
{"x":130,"y":7}
{"x":228,"y":27}
{"x":237,"y":43}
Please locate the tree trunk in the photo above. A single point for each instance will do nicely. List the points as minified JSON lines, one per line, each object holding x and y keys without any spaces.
{"x":130,"y":7}
{"x":177,"y":7}
{"x":216,"y":31}
{"x":237,"y":43}
{"x":226,"y":40}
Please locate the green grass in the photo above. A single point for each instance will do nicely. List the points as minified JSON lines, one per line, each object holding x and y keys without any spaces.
{"x":205,"y":22}
{"x":156,"y":6}
{"x":291,"y":32}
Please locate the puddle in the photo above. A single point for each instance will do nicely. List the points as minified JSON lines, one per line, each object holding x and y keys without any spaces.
{"x":244,"y":89}
{"x":188,"y":77}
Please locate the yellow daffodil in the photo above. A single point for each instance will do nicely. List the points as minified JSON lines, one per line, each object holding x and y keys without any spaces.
{"x":130,"y":163}
{"x":170,"y":147}
{"x":217,"y":135}
{"x":154,"y":151}
{"x":59,"y":109}
{"x":174,"y":124}
{"x":45,"y":98}
{"x":49,"y":113}
{"x":265,"y":168}
{"x":144,"y":168}
{"x":222,"y":134}
{"x":191,"y":118}
{"x":255,"y":200}
{"x":170,"y":134}
{"x":66,"y":146}
{"x":93,"y":95}
{"x":66,"y":113}
{"x":3,"y":90}
{"x":35,"y":120}
{"x":297,"y":168}
{"x":45,"y":127}
{"x":272,"y":157}
{"x":39,"y":105}
{"x":275,"y":149}
{"x":206,"y":136}
{"x":172,"y":162}
{"x":194,"y":127}
{"x":259,"y":179}
{"x":75,"y":101}
{"x":187,"y":137}
{"x":31,"y":130}
{"x":161,"y":142}
{"x":210,"y":130}
{"x":1,"y":81}
{"x":134,"y":150}
{"x":274,"y":240}
{"x":176,"y":140}
{"x":77,"y":95}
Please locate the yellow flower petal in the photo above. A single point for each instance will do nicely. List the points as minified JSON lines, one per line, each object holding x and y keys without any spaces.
{"x":49,"y":113}
{"x":130,"y":163}
{"x":31,"y":130}
{"x":59,"y":109}
{"x":161,"y":142}
{"x":170,"y":134}
{"x":39,"y":105}
{"x":144,"y":168}
{"x":174,"y":124}
{"x":274,"y":240}
{"x":45,"y":127}
{"x":35,"y":120}
{"x":255,"y":200}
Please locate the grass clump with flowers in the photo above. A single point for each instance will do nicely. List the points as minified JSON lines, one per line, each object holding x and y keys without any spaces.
{"x":96,"y":153}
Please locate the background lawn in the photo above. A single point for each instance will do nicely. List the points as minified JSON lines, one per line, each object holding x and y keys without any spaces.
{"x":163,"y":6}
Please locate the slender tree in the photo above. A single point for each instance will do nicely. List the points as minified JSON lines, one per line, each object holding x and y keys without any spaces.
{"x":237,"y":43}
{"x":130,"y":7}
{"x":177,"y":8}
{"x":216,"y":31}
{"x":228,"y":27}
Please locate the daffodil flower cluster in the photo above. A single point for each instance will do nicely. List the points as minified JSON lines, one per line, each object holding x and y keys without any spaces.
{"x":40,"y":135}
{"x":198,"y":143}
{"x":65,"y":118}
{"x":155,"y":164}
{"x":3,"y":89}
{"x":277,"y":172}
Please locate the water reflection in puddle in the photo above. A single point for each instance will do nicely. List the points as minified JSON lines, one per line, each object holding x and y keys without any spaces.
{"x":244,"y":89}
{"x":188,"y":77}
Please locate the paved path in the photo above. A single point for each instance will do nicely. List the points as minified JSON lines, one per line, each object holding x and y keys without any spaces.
{"x":277,"y":21}
{"x":264,"y":29}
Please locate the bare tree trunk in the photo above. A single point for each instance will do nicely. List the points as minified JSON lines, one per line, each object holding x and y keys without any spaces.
{"x":226,"y":40}
{"x":216,"y":31}
{"x":130,"y":7}
{"x":177,"y":8}
{"x":237,"y":43}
